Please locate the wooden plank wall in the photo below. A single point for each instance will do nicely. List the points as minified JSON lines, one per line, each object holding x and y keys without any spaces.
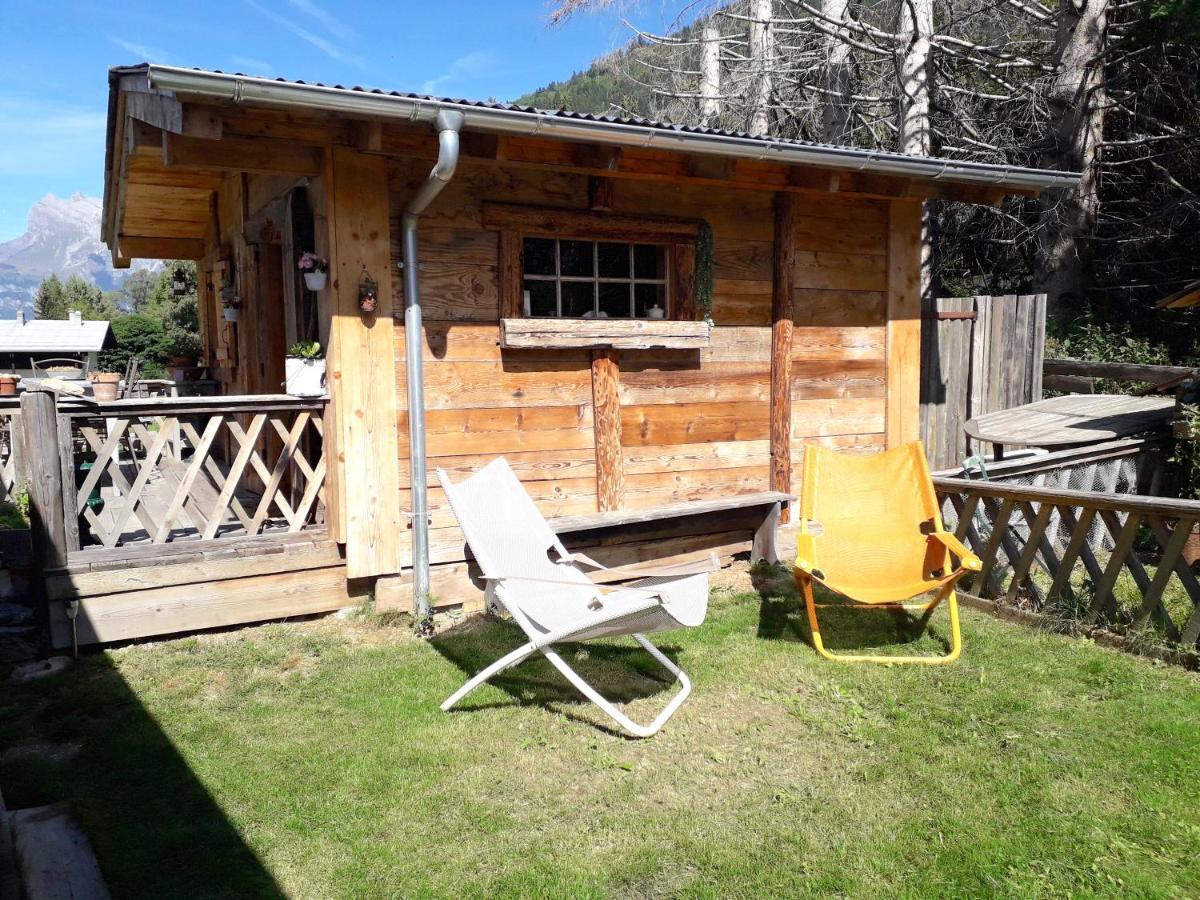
{"x":978,"y":355}
{"x":693,"y":424}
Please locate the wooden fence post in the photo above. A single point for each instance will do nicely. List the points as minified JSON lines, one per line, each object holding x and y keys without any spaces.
{"x":39,"y":420}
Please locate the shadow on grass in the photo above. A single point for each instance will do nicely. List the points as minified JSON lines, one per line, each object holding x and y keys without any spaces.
{"x":85,"y":737}
{"x":622,"y":674}
{"x":845,"y":627}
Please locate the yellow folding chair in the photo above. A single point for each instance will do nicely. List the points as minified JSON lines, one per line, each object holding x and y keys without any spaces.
{"x":870,"y":530}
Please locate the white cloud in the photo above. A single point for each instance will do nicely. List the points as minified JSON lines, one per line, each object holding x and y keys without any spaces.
{"x":252,"y":65}
{"x":141,"y":51}
{"x":472,"y":63}
{"x":328,"y":21}
{"x":330,"y":49}
{"x":67,"y":141}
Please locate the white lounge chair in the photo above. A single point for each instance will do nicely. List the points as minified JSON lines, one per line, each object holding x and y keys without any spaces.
{"x":546,"y":590}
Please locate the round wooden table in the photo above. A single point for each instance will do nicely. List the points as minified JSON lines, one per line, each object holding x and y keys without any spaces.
{"x":1071,"y":419}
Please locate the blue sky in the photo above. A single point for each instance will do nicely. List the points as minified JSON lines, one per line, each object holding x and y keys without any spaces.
{"x":53,"y":99}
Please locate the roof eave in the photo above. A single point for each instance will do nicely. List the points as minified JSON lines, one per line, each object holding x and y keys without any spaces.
{"x":377,"y":104}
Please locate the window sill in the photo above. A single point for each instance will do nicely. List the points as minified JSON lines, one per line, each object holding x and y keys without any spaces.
{"x":603,"y":334}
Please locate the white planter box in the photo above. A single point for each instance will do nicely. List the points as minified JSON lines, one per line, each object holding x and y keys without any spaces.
{"x":305,"y":377}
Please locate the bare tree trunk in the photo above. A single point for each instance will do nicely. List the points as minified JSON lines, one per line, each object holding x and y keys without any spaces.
{"x":761,"y":61}
{"x":1076,"y":101}
{"x":835,"y":117}
{"x":710,"y":76}
{"x":916,"y":76}
{"x":916,"y":100}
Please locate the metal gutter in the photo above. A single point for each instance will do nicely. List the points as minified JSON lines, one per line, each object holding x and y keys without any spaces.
{"x":448,"y":123}
{"x":380,"y":105}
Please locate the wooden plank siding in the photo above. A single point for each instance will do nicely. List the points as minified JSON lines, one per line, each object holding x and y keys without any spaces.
{"x":690,"y":424}
{"x":812,"y":340}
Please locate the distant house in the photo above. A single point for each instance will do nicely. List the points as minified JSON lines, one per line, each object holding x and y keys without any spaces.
{"x":29,"y":345}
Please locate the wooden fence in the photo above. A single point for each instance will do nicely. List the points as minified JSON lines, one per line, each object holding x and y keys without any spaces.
{"x":159,"y":470}
{"x":1103,"y":558}
{"x":978,"y":355}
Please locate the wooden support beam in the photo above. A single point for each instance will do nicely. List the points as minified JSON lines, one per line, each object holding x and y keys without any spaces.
{"x":171,"y":115}
{"x":136,"y":246}
{"x":600,"y":193}
{"x":512,"y":297}
{"x":258,"y":156}
{"x":606,"y":410}
{"x":903,"y":343}
{"x":783,"y":279}
{"x":683,"y":282}
{"x":609,"y":226}
{"x":39,"y":427}
{"x":367,"y":136}
{"x":362,"y":365}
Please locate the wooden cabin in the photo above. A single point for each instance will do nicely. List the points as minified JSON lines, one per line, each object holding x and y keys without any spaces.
{"x":563,"y":281}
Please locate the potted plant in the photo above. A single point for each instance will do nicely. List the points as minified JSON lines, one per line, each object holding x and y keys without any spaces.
{"x":185,"y":351}
{"x":16,"y":547}
{"x":305,"y":370}
{"x":105,"y":386}
{"x":231,"y":307}
{"x":315,"y":270}
{"x":8,"y":384}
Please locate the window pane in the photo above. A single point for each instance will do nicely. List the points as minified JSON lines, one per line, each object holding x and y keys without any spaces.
{"x":540,"y":298}
{"x":575,"y":257}
{"x":614,"y":299}
{"x":647,"y":297}
{"x":614,"y":261}
{"x":539,"y":256}
{"x":648,"y":261}
{"x":577,"y":298}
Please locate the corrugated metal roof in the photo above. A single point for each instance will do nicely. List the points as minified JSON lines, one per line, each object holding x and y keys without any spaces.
{"x":627,"y":130}
{"x":54,"y":336}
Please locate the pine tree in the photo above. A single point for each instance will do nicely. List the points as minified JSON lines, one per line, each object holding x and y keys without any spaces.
{"x":49,"y":302}
{"x":85,"y":297}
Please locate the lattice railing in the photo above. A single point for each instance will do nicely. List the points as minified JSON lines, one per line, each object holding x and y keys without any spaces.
{"x":160,"y":470}
{"x":10,"y":433}
{"x":1117,"y":560}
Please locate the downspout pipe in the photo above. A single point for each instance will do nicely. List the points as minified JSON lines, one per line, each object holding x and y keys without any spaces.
{"x":448,"y":124}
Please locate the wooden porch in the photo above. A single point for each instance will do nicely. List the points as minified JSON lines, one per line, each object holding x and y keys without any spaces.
{"x":153,"y":516}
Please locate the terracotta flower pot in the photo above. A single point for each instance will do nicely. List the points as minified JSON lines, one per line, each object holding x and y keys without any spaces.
{"x":105,"y":386}
{"x":8,"y":385}
{"x":1191,"y":547}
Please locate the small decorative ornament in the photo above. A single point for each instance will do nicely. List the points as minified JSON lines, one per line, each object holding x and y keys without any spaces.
{"x":655,"y":312}
{"x":368,"y":292}
{"x":231,"y":304}
{"x":315,"y":270}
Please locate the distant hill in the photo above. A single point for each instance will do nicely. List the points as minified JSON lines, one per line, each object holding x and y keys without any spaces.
{"x":62,"y":238}
{"x":602,"y":88}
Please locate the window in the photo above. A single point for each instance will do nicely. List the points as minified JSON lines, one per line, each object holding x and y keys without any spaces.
{"x":581,"y":279}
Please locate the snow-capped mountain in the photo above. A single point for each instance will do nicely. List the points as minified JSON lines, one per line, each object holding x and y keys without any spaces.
{"x":63,"y":238}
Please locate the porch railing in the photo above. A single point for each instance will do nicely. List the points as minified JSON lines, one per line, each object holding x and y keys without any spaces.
{"x":1095,"y":557}
{"x":161,"y":470}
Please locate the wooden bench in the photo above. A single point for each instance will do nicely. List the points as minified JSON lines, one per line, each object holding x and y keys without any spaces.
{"x":760,"y":511}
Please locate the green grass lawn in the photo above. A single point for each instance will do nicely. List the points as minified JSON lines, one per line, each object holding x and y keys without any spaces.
{"x":312,"y":760}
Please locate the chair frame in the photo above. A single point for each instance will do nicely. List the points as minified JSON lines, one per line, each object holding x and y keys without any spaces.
{"x":968,"y":562}
{"x":578,"y":631}
{"x":545,"y":645}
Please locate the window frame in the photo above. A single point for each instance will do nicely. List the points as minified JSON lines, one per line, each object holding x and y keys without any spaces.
{"x":596,"y":279}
